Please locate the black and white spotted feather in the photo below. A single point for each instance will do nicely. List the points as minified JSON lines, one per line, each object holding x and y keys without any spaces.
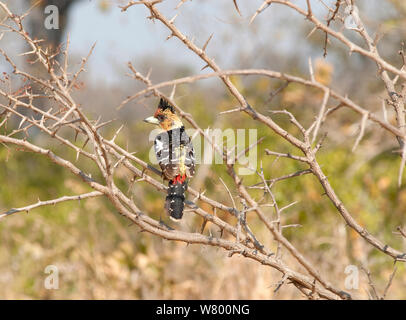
{"x":175,"y":155}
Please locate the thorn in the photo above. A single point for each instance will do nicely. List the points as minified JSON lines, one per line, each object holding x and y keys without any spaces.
{"x":207,"y":42}
{"x":206,"y":66}
{"x":116,"y":134}
{"x":149,"y":73}
{"x":173,"y":92}
{"x":173,"y":19}
{"x":84,"y":145}
{"x":236,"y":7}
{"x":311,"y":32}
{"x":22,"y":122}
{"x":362,"y":130}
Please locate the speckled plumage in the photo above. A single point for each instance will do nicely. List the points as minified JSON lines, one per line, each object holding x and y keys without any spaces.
{"x":175,"y":155}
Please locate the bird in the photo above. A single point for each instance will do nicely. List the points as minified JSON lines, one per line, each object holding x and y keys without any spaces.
{"x":175,"y":154}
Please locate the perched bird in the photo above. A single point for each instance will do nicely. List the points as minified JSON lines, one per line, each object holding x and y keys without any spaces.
{"x":175,"y":155}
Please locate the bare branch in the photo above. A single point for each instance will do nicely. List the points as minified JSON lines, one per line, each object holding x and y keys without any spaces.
{"x":51,"y":202}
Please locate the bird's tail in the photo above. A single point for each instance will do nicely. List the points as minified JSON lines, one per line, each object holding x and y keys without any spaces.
{"x":175,"y":200}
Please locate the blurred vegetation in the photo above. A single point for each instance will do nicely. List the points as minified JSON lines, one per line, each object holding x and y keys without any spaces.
{"x":100,"y":255}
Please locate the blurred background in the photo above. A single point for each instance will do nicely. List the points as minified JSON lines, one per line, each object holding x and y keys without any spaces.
{"x":101,"y":256}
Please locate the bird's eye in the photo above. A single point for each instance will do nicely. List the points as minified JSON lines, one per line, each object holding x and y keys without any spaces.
{"x":160,"y":117}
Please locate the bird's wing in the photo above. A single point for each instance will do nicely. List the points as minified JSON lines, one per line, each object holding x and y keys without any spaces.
{"x":175,"y":153}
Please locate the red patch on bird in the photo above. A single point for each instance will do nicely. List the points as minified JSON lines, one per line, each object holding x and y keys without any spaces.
{"x":157,"y":113}
{"x":179,"y":178}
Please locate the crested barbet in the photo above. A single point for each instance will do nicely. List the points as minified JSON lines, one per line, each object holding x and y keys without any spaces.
{"x":175,"y":155}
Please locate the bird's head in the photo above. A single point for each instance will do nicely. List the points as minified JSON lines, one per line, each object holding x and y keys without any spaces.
{"x":165,"y":116}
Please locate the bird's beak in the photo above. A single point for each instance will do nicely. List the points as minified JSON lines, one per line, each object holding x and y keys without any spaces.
{"x":152,"y":120}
